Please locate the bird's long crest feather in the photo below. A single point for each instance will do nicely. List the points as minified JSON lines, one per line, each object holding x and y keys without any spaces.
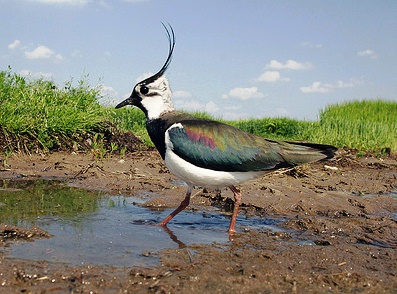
{"x":171,"y":40}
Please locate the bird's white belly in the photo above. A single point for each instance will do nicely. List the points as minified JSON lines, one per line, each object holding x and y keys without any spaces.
{"x":198,"y":176}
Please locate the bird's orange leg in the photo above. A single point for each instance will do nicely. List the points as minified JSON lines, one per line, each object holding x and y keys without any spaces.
{"x":237,"y":201}
{"x":185,"y":202}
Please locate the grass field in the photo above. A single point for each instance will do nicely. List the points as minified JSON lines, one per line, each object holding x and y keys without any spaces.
{"x":44,"y":112}
{"x":49,"y":114}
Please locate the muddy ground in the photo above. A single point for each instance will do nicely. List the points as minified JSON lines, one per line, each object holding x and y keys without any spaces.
{"x":343,"y":210}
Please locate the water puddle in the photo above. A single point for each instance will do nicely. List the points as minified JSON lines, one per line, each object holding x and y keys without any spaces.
{"x":90,"y":227}
{"x":392,"y":194}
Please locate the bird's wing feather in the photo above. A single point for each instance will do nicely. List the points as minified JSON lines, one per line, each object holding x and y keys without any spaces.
{"x":221,"y":147}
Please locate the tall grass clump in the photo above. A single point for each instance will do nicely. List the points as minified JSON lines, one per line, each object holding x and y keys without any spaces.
{"x":367,"y":125}
{"x":41,"y":111}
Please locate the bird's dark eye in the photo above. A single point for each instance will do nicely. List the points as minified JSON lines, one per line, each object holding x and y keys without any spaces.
{"x":144,"y":90}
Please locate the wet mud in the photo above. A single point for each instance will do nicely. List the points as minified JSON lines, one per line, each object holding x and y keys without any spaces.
{"x":336,"y":229}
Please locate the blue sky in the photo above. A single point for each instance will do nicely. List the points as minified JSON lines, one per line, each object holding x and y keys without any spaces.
{"x":234,"y":59}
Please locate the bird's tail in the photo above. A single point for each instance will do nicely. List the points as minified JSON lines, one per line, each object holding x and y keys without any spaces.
{"x":327,"y":150}
{"x":295,"y":153}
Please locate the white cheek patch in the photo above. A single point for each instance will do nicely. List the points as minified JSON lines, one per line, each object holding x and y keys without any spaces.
{"x":158,"y":98}
{"x":154,"y":106}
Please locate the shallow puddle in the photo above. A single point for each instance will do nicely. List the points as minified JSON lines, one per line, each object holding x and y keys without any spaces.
{"x":392,"y":194}
{"x":90,"y":227}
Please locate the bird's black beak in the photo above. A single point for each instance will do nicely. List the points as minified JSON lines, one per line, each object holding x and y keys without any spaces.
{"x":132,"y":100}
{"x":124,"y":103}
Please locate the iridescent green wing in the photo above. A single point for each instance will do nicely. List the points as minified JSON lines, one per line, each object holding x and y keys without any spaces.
{"x":217,"y":146}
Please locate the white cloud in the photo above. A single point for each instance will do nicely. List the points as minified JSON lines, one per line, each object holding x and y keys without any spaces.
{"x":41,"y":52}
{"x":108,"y":91}
{"x":290,"y":64}
{"x":271,"y":76}
{"x":211,"y":107}
{"x":25,"y":72}
{"x":316,"y":87}
{"x":76,"y":54}
{"x":104,"y":4}
{"x":109,"y":95}
{"x":341,"y":84}
{"x":14,"y":45}
{"x":194,"y":105}
{"x":244,"y":93}
{"x":133,"y":1}
{"x":234,"y":115}
{"x":143,"y":77}
{"x":281,"y":112}
{"x":58,"y":58}
{"x":233,"y":107}
{"x":319,"y":87}
{"x":182,"y":94}
{"x":68,"y":2}
{"x":370,"y":53}
{"x":311,"y":45}
{"x":107,"y":4}
{"x":36,"y":75}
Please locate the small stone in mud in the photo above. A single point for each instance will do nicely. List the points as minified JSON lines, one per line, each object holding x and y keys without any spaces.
{"x":333,"y":168}
{"x":322,"y":242}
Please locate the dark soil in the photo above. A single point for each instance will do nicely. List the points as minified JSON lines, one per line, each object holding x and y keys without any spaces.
{"x":340,"y":234}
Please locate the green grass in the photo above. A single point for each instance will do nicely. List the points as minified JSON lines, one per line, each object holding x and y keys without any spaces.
{"x":44,"y":112}
{"x":274,"y":128}
{"x":367,"y":125}
{"x":130,"y":119}
{"x":48,"y":114}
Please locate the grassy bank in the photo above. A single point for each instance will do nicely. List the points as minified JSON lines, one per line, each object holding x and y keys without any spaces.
{"x":363,"y":125}
{"x":49,"y":115}
{"x":42,"y":112}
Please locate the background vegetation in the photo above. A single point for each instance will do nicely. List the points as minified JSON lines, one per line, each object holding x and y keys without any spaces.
{"x":43,"y":112}
{"x":38,"y":111}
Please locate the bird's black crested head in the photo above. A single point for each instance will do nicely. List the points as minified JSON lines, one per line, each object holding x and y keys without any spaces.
{"x":153,"y":95}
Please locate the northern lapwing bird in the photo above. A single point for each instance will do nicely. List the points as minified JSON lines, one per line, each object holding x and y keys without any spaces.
{"x":208,"y":153}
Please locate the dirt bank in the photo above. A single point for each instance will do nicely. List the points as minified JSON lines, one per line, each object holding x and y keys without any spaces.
{"x":340,"y":234}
